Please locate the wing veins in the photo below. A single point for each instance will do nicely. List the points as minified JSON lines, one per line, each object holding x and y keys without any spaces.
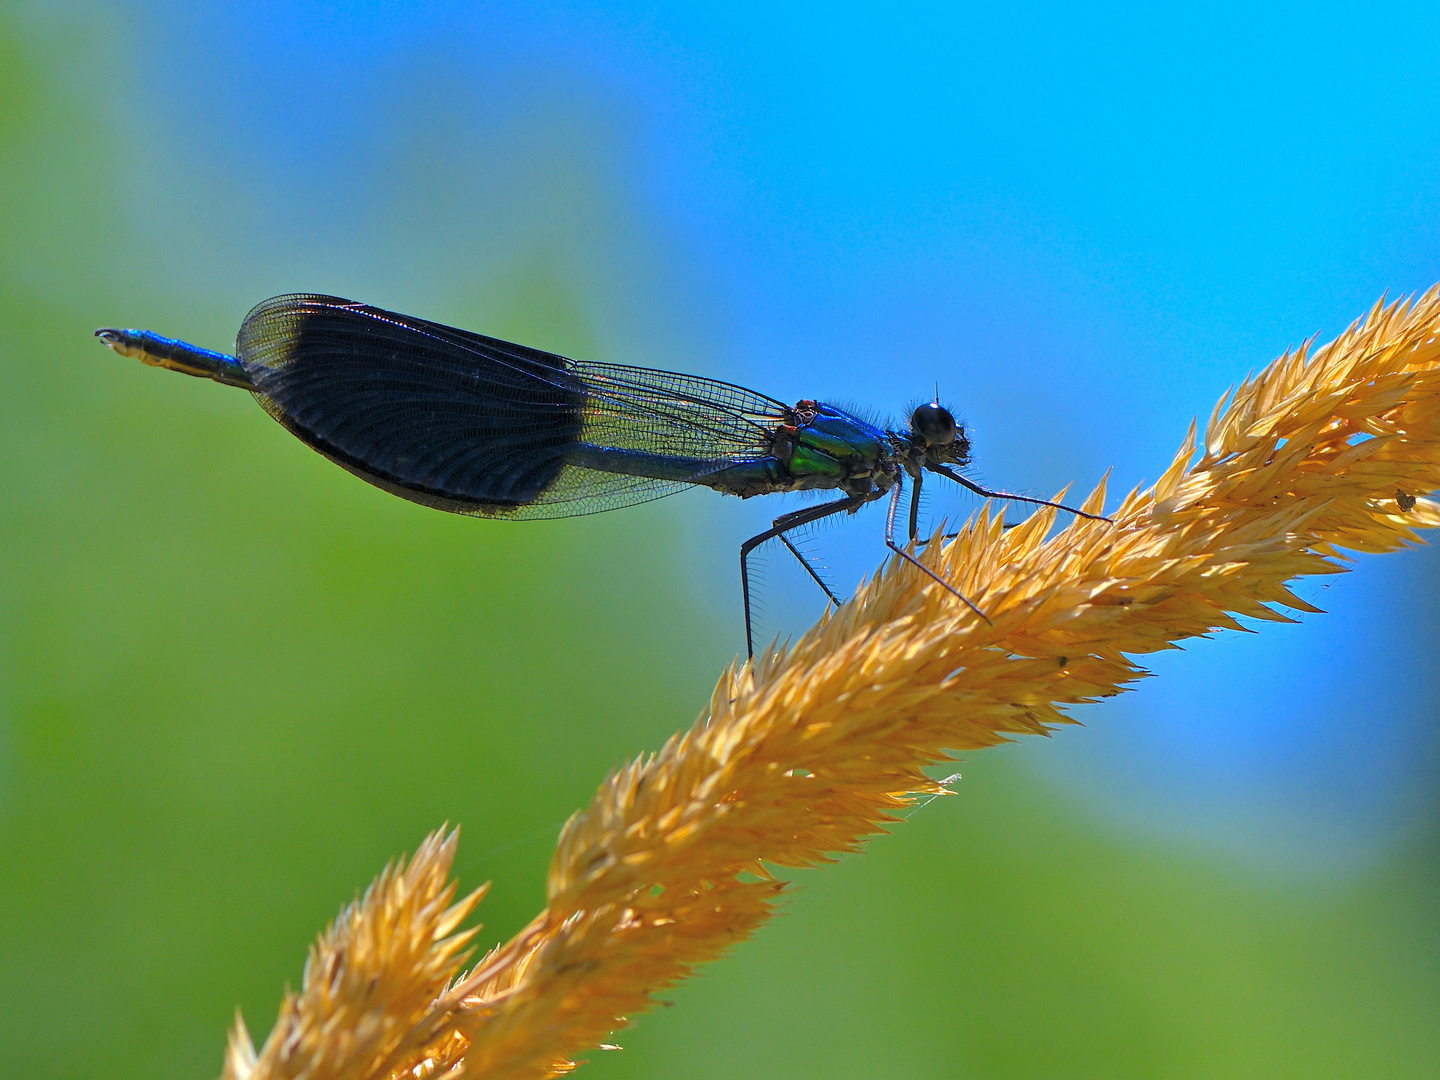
{"x":585,"y":376}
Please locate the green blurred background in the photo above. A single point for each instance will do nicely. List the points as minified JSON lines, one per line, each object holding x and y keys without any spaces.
{"x":236,"y":680}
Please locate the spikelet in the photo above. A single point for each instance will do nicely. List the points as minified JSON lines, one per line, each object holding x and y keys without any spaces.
{"x":807,"y":751}
{"x":367,"y":1007}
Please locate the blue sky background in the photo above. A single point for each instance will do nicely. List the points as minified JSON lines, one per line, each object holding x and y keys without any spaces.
{"x":1083,"y":224}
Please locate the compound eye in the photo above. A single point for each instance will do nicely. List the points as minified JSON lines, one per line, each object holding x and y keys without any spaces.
{"x":933,"y":424}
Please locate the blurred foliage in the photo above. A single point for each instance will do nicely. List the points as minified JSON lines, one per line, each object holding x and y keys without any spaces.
{"x":236,"y":681}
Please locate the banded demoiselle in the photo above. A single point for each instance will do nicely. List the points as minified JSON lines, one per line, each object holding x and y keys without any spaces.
{"x":473,"y":425}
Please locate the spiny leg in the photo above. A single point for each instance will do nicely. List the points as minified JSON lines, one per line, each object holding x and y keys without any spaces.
{"x":781,"y":525}
{"x":814,"y":576}
{"x":898,"y":550}
{"x":987,"y":493}
{"x":915,"y":507}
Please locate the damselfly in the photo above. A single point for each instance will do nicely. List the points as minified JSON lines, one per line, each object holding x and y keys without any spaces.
{"x":474,"y":425}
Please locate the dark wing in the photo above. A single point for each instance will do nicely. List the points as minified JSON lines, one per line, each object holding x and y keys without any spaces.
{"x":475,"y":425}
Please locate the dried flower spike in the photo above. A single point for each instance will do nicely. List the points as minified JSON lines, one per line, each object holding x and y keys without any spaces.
{"x":803,"y":754}
{"x":368,"y":1006}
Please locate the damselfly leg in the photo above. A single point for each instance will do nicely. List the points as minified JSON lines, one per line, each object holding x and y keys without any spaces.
{"x":898,"y":550}
{"x":814,"y":574}
{"x":779,"y":527}
{"x":950,"y":474}
{"x":915,"y":509}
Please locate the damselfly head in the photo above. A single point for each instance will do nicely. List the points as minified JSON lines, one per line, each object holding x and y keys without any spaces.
{"x":933,"y":424}
{"x":935,"y":437}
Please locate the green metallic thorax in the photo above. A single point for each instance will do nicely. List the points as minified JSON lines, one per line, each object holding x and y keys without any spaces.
{"x":818,"y":447}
